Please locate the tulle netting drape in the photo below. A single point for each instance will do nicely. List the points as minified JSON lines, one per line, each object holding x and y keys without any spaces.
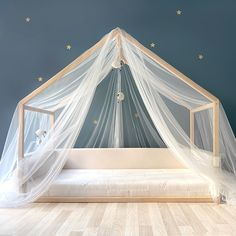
{"x":155,"y":112}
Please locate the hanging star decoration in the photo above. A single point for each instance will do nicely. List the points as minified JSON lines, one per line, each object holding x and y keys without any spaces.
{"x":152,"y":45}
{"x":178,"y":12}
{"x":68,"y":47}
{"x":120,"y":97}
{"x":200,"y":56}
{"x":40,"y":79}
{"x":27,"y":19}
{"x":95,"y":122}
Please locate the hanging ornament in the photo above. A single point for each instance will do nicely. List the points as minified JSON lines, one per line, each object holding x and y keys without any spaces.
{"x":117,"y":63}
{"x":120,"y":97}
{"x":40,"y":134}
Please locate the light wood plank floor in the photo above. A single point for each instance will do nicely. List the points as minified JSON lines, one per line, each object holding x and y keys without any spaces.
{"x":119,"y":219}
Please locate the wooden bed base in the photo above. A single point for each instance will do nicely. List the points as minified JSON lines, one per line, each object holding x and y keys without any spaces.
{"x":124,"y":199}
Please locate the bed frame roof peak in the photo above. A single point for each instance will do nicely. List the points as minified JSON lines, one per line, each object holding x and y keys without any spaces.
{"x":117,"y":32}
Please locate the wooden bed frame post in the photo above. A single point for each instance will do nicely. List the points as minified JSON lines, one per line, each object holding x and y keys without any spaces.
{"x":216,"y":140}
{"x":52,"y":120}
{"x":216,"y":129}
{"x":52,"y":123}
{"x":192,"y":126}
{"x":215,"y":133}
{"x":21,"y":124}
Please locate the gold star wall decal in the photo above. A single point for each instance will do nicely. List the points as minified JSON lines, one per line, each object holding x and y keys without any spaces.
{"x":178,"y":12}
{"x":152,"y":45}
{"x":200,"y":56}
{"x":68,"y":47}
{"x":95,"y":122}
{"x":27,"y":19}
{"x":40,"y":79}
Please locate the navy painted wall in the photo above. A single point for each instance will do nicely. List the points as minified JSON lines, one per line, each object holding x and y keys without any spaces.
{"x":37,"y":48}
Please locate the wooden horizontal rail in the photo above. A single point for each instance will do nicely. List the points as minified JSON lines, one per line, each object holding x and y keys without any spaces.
{"x":203,"y":199}
{"x":203,"y":107}
{"x":36,"y":109}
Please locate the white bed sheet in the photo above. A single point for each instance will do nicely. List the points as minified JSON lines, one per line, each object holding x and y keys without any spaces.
{"x":128,"y":183}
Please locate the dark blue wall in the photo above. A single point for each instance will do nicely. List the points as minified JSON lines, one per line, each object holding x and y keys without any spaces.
{"x":38,"y":48}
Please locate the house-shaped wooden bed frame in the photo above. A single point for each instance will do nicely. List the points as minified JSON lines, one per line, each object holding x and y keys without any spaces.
{"x":213,"y":104}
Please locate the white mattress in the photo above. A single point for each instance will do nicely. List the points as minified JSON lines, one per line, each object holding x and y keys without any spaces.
{"x":128,"y":183}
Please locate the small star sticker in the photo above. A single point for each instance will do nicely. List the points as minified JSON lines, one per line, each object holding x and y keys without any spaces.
{"x":136,"y":115}
{"x":40,"y":79}
{"x":68,"y":47}
{"x":200,"y":56}
{"x":95,"y":122}
{"x":27,"y":19}
{"x":152,"y":45}
{"x":178,"y":12}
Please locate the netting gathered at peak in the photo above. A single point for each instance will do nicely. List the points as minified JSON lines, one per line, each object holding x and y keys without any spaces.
{"x":116,"y":94}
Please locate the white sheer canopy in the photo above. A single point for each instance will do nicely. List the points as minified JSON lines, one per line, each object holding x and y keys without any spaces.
{"x":143,"y":102}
